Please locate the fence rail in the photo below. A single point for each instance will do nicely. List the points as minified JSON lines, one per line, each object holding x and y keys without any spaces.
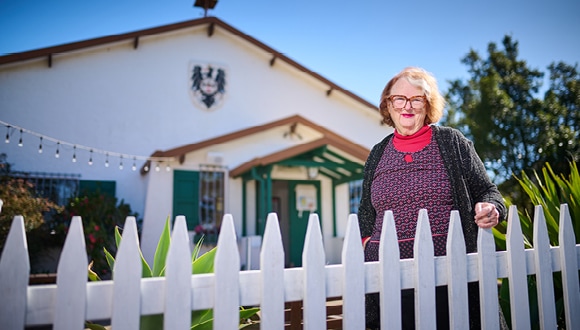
{"x":127,"y":297}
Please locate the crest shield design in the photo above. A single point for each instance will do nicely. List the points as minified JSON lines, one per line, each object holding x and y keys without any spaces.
{"x":207,"y":85}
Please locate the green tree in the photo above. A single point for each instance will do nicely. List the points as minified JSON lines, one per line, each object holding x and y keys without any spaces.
{"x":558,"y":144}
{"x":498,"y":110}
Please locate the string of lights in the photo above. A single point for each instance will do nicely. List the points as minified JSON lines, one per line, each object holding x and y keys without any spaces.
{"x":12,"y":129}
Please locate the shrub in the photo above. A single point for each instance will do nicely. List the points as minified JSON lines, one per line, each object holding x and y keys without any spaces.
{"x":550,"y":191}
{"x":20,"y":198}
{"x":101,"y":214}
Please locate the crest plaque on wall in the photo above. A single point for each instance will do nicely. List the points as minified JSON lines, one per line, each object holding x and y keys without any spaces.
{"x":207,"y":85}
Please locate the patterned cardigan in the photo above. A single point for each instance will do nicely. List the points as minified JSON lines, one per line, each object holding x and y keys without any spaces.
{"x":469,"y":181}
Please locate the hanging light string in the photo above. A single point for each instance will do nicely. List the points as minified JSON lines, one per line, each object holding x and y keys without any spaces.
{"x":10,"y":129}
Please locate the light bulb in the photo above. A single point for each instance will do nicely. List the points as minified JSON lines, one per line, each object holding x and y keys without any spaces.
{"x":91,"y":158}
{"x":57,"y":154}
{"x":40,"y":146}
{"x":134,"y":167}
{"x":7,"y":134}
{"x":157,"y":168}
{"x":20,"y":144}
{"x":74,"y":159}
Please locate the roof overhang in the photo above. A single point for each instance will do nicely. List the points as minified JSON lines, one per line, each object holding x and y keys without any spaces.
{"x":211,"y":23}
{"x":335,"y":156}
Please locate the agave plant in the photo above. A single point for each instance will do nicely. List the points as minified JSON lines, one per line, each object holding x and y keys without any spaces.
{"x":549,"y":191}
{"x":201,"y":264}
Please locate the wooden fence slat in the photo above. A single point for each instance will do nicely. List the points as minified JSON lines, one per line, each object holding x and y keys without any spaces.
{"x":272,"y":272}
{"x":517,"y":273}
{"x":488,"y":293}
{"x":178,"y":279}
{"x":424,"y":274}
{"x":390,"y":274}
{"x":313,"y":259}
{"x":14,"y":270}
{"x":569,"y":269}
{"x":457,"y":275}
{"x":126,"y":304}
{"x":353,"y":263}
{"x":71,"y":280}
{"x":544,"y":277}
{"x":99,"y":300}
{"x":227,"y":267}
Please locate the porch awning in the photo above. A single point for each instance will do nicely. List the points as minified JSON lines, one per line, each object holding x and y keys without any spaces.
{"x":332,"y":160}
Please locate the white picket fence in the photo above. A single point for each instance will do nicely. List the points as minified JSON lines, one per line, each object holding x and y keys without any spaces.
{"x":72,"y":300}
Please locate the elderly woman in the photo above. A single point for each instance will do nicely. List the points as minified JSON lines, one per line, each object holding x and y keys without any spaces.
{"x":422,"y":166}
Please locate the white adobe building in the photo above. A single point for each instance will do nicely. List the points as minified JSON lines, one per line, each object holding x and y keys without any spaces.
{"x":240,"y":128}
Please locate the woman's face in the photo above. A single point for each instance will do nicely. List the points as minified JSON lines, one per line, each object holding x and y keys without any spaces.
{"x":407,"y":120}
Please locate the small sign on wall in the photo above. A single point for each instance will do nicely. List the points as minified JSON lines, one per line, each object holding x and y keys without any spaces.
{"x":306,"y":199}
{"x":207,"y":85}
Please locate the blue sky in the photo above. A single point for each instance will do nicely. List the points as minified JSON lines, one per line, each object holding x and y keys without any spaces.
{"x":358,"y":45}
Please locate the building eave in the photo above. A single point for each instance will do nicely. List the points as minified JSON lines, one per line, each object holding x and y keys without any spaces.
{"x":212,"y":22}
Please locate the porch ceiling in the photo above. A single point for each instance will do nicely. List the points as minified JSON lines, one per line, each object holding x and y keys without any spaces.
{"x":331,"y":161}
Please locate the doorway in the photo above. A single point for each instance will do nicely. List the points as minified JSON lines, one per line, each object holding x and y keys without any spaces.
{"x":289,"y":199}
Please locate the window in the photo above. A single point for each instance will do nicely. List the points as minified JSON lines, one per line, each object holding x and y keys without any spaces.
{"x":354,"y":194}
{"x":60,"y":187}
{"x":211,"y":201}
{"x":200,"y":197}
{"x":56,"y":187}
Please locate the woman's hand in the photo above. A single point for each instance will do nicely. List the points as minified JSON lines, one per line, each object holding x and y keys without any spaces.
{"x":486,"y":215}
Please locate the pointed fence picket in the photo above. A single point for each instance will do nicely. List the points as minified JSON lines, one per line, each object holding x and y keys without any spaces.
{"x":127,"y":285}
{"x":313,"y":259}
{"x":178,"y":279}
{"x":14,"y":269}
{"x":569,"y":263}
{"x":390,"y":274}
{"x":353,"y":263}
{"x":543,"y":262}
{"x":272,"y":266}
{"x":127,"y":297}
{"x":457,"y":275}
{"x":517,"y":274}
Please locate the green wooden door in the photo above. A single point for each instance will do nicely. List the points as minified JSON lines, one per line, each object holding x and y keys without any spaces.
{"x":186,"y":196}
{"x":299,"y":218}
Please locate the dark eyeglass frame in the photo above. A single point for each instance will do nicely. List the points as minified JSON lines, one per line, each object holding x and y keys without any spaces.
{"x":407,"y":100}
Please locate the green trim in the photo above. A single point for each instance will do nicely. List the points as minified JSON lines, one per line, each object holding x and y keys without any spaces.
{"x":298,"y":223}
{"x":244,"y":209}
{"x":337,"y":168}
{"x":334,"y":230}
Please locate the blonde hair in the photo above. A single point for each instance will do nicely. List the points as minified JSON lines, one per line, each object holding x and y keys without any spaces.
{"x":422,"y":79}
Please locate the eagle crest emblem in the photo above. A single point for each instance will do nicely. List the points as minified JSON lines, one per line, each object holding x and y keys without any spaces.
{"x":207,"y":85}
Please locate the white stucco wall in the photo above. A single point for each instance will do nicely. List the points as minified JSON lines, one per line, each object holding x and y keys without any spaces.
{"x":136,"y":101}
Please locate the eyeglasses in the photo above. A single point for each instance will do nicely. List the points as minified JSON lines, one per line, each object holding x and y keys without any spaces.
{"x":400,"y":101}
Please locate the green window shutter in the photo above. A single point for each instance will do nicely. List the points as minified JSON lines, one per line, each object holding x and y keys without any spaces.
{"x":186,"y":196}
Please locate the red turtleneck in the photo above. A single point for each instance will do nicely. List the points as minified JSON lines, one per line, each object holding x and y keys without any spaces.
{"x":414,"y":142}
